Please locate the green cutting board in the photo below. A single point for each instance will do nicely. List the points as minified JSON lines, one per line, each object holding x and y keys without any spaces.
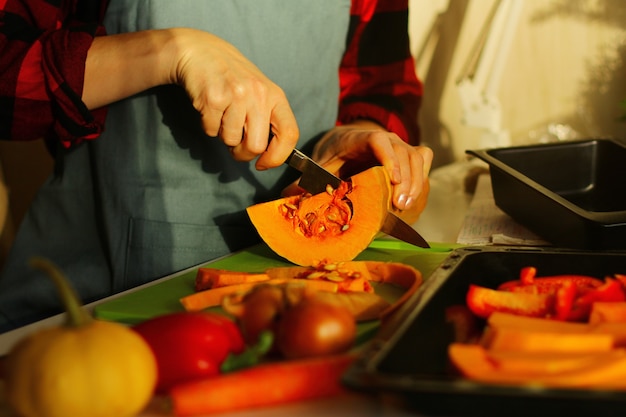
{"x":163,"y":297}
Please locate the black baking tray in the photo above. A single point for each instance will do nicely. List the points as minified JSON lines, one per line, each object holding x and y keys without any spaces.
{"x":407,"y":358}
{"x":571,"y":193}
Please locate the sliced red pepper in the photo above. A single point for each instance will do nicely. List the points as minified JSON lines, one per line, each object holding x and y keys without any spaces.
{"x":611,"y":290}
{"x":483,"y":301}
{"x":621,"y":278}
{"x":550,"y":284}
{"x":565,"y":296}
{"x":527,"y":275}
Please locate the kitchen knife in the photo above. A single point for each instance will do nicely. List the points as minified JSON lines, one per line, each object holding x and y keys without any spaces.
{"x":398,"y":228}
{"x":315,"y":179}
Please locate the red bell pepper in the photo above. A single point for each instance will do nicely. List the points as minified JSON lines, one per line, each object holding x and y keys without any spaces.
{"x":572,"y":295}
{"x":483,"y":301}
{"x":196,"y":345}
{"x":565,"y":298}
{"x":527,"y":275}
{"x":621,"y":278}
{"x":611,"y":291}
{"x":549,"y":284}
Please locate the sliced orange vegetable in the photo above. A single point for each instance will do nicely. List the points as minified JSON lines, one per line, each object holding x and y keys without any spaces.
{"x":500,"y":320}
{"x":508,"y":320}
{"x":484,"y":301}
{"x":549,"y":284}
{"x":262,"y":385}
{"x":608,"y":312}
{"x":535,"y":341}
{"x":395,"y":273}
{"x":362,"y":305}
{"x":213,"y":297}
{"x":541,"y":363}
{"x":349,"y":276}
{"x":207,"y":278}
{"x":608,"y":369}
{"x":617,"y":330}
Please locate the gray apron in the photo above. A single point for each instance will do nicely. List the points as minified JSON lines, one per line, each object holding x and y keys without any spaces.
{"x":154,"y":194}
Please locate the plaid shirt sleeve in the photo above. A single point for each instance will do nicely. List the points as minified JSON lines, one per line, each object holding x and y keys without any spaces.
{"x":377,"y":74}
{"x":43,"y":48}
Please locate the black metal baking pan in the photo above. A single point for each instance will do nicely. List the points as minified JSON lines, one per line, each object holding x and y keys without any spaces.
{"x":571,"y":193}
{"x":407,"y":358}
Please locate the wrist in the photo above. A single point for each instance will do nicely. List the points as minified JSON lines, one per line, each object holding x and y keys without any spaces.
{"x":119,"y":66}
{"x":172,"y":53}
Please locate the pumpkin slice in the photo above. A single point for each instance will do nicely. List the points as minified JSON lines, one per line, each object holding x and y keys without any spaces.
{"x":396,"y":273}
{"x":213,"y":297}
{"x":349,"y":276}
{"x":328,"y":227}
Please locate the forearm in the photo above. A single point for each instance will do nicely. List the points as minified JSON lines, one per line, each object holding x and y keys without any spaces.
{"x":119,"y":66}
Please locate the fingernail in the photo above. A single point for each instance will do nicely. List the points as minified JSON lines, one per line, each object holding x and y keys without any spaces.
{"x":404,"y":201}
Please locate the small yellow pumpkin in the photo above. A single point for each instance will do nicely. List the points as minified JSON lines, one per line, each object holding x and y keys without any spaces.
{"x":86,"y":368}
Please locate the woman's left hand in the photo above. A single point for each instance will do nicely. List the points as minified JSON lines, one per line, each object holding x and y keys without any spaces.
{"x":348,"y":149}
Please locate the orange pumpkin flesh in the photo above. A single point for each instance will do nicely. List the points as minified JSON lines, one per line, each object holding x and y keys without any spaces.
{"x":331,"y":226}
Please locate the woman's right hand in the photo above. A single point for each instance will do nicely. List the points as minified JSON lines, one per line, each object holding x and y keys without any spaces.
{"x":237,"y":102}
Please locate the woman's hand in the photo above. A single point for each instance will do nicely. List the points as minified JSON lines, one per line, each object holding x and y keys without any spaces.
{"x":346,"y":150}
{"x":237,"y":102}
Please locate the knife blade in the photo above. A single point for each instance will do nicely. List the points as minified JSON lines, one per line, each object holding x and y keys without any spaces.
{"x":398,"y":228}
{"x":315,"y":179}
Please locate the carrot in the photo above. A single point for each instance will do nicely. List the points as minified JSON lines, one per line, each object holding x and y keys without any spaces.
{"x":213,"y":297}
{"x":532,"y":341}
{"x":607,"y":369}
{"x":616,"y":330}
{"x":208,"y":278}
{"x":533,"y":363}
{"x":500,"y":319}
{"x":261,"y":386}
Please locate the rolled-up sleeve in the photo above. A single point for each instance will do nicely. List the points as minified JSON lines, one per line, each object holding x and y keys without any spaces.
{"x":377,"y":74}
{"x":43,"y":50}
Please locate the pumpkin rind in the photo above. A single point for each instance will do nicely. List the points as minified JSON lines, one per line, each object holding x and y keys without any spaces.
{"x":290,"y":226}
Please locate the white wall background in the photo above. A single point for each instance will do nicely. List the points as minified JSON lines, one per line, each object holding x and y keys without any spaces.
{"x":565,"y":69}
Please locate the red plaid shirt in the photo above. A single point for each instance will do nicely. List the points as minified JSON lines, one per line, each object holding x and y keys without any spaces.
{"x":44,"y":44}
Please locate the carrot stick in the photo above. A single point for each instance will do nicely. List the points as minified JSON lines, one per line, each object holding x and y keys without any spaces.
{"x":261,"y":386}
{"x":500,"y":319}
{"x":510,"y":339}
{"x":608,"y":369}
{"x":210,"y":298}
{"x":207,"y":278}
